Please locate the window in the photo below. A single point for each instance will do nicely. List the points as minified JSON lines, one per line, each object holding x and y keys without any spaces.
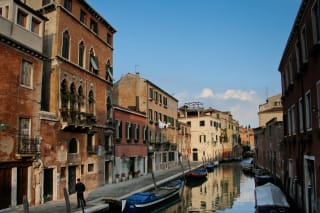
{"x":91,"y":102}
{"x":65,"y":44}
{"x":150,"y":93}
{"x":156,"y":96}
{"x":136,"y":132}
{"x":83,"y":17}
{"x":35,"y":26}
{"x":316,"y":22}
{"x":290,"y":70}
{"x":165,"y":101}
{"x":156,"y":116}
{"x":145,"y":133}
{"x":202,"y":123}
{"x":293,"y":119}
{"x":160,"y":99}
{"x":308,"y":110}
{"x":93,"y":67}
{"x":93,"y":26}
{"x":109,"y":72}
{"x":22,"y":18}
{"x":128,"y":131}
{"x":118,"y":130}
{"x":63,"y":172}
{"x":67,"y":4}
{"x":73,"y":147}
{"x":286,"y":77}
{"x":90,"y":146}
{"x":289,"y":122}
{"x":4,"y":11}
{"x":300,"y":115}
{"x":150,"y":115}
{"x":81,"y":54}
{"x":297,"y":50}
{"x":90,"y":167}
{"x":26,"y":73}
{"x":24,"y":127}
{"x":304,"y":46}
{"x":82,"y":169}
{"x":109,"y":38}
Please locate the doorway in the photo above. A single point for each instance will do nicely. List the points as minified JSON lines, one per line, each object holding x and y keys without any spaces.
{"x":72,"y":171}
{"x":22,"y":183}
{"x":48,"y":185}
{"x":5,"y":186}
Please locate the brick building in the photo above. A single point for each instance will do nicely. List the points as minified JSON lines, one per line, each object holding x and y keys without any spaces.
{"x":21,"y":62}
{"x":130,"y":147}
{"x":76,"y":117}
{"x":300,"y":77}
{"x":136,"y":93}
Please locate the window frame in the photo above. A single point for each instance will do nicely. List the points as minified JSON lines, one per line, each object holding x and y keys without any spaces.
{"x":65,"y":47}
{"x":26,"y":76}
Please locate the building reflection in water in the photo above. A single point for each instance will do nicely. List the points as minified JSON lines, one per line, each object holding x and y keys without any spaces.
{"x":218,"y":193}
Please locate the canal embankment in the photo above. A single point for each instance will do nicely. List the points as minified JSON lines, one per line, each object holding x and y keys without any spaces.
{"x":98,"y":199}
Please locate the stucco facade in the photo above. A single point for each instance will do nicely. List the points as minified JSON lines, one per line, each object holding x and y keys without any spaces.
{"x":21,"y":65}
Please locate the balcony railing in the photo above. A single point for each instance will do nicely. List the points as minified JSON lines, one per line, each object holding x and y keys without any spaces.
{"x":73,"y":117}
{"x":28,"y":145}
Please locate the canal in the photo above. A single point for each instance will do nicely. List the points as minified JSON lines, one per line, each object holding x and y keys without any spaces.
{"x":226,"y":190}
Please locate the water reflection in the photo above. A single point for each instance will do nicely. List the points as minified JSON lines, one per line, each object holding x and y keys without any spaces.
{"x":226,"y":189}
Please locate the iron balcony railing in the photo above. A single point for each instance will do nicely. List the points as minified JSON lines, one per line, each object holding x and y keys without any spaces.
{"x":28,"y":145}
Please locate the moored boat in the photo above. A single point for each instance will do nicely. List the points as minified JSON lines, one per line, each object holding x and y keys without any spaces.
{"x":270,"y":198}
{"x":143,"y":201}
{"x":209,"y":166}
{"x":196,"y":174}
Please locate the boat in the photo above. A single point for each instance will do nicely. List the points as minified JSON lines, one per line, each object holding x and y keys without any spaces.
{"x":270,"y":198}
{"x":209,"y":166}
{"x":143,"y":201}
{"x":262,"y":179}
{"x":196,"y":174}
{"x":248,"y":169}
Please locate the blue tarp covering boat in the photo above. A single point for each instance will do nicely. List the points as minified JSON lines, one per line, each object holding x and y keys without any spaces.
{"x":142,"y":201}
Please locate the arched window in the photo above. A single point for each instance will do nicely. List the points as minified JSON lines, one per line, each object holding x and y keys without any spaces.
{"x":91,"y":102}
{"x":93,"y":66}
{"x":109,"y":107}
{"x":195,"y":154}
{"x":64,"y":94}
{"x":73,"y":146}
{"x":65,"y":44}
{"x":73,"y":102}
{"x":80,"y":98}
{"x":81,"y":54}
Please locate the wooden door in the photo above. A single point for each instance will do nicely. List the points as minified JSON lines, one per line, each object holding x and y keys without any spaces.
{"x":5,"y":187}
{"x":22,"y":184}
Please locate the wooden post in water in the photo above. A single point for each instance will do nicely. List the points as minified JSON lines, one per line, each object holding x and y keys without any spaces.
{"x":182,"y":169}
{"x":66,"y":198}
{"x":154,"y":181}
{"x":25,"y":204}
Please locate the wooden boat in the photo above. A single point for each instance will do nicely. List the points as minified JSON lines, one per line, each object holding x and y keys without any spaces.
{"x":143,"y":201}
{"x":209,"y":166}
{"x":270,"y":198}
{"x":196,"y":174}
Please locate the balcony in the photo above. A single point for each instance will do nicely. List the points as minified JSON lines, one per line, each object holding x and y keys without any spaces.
{"x":28,"y":147}
{"x":76,"y":121}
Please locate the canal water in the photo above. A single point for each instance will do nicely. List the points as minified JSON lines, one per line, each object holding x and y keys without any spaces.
{"x":226,"y":190}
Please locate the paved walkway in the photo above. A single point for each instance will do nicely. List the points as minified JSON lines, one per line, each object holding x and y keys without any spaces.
{"x":97,"y":199}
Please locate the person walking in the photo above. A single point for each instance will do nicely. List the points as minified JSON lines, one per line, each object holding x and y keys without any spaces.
{"x":80,"y":188}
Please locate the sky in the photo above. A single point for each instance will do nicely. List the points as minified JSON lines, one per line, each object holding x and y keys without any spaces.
{"x":222,"y":53}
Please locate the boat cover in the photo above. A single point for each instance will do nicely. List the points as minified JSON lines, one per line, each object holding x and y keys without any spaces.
{"x":270,"y":195}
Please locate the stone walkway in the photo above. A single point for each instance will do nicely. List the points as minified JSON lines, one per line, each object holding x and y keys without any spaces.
{"x":97,"y":199}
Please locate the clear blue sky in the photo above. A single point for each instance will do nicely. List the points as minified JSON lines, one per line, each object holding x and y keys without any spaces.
{"x":223,"y":53}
